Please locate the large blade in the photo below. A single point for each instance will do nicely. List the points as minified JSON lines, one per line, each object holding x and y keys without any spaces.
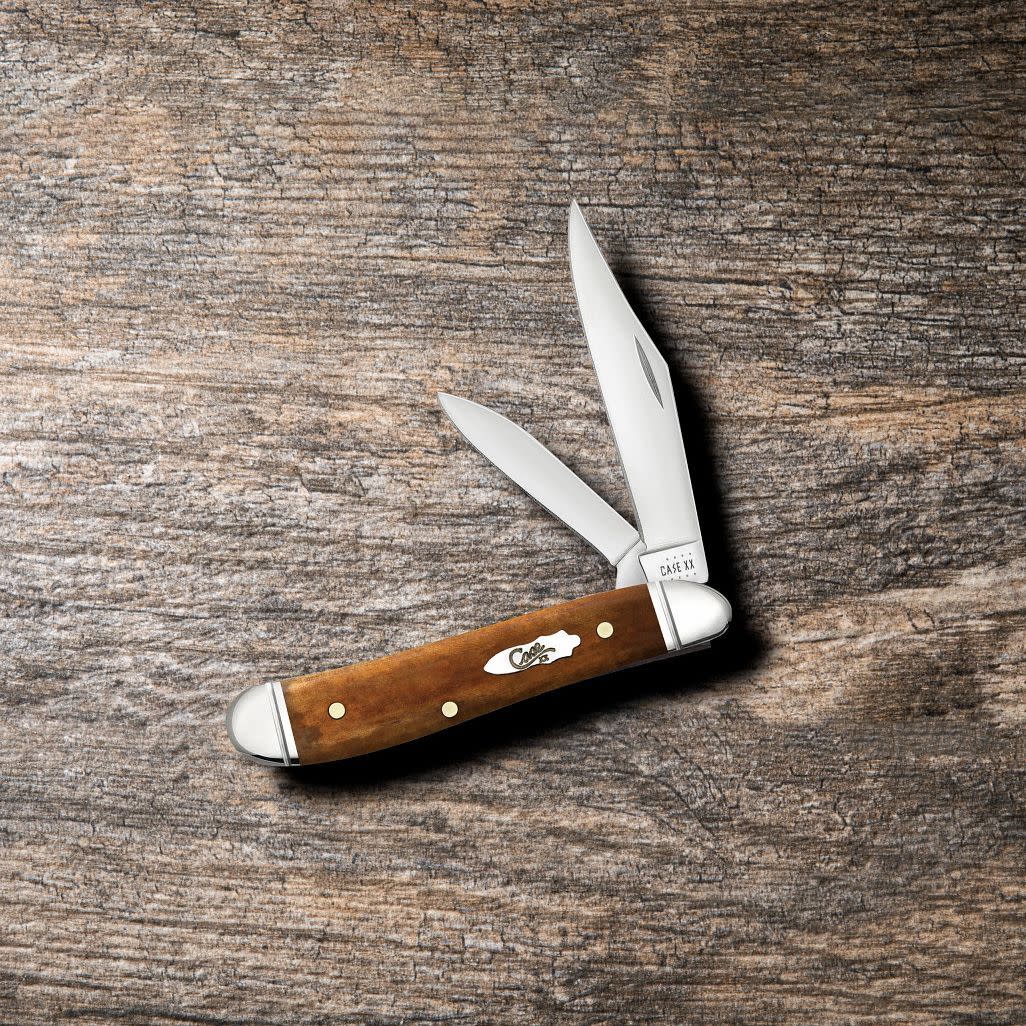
{"x":524,"y":459}
{"x":638,"y":394}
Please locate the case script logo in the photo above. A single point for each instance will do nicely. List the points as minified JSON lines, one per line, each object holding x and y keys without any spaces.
{"x":546,"y":649}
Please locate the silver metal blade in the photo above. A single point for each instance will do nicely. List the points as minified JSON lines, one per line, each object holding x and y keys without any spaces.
{"x":525,"y":460}
{"x":638,"y":393}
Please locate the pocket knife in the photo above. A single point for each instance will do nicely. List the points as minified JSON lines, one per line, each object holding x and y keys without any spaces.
{"x":660,"y":605}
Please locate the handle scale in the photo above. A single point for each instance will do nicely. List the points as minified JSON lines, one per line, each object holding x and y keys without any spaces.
{"x":354,"y":710}
{"x":408,"y":695}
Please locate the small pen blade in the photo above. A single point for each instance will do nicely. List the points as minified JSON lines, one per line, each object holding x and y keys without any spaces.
{"x":523,"y":459}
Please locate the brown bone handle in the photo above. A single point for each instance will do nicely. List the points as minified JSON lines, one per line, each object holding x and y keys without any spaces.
{"x":363,"y":708}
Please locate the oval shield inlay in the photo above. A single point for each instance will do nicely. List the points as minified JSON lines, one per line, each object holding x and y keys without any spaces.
{"x":546,"y":649}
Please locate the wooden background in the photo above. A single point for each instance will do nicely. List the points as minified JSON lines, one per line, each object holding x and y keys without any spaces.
{"x":242,"y":245}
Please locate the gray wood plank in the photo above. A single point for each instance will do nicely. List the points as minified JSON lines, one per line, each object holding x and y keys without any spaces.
{"x":242,"y":247}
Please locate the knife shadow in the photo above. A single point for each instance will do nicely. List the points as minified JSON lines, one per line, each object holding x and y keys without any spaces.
{"x":537,"y":719}
{"x":534,"y":723}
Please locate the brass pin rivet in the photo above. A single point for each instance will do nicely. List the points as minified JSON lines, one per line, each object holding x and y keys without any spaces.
{"x":604,"y":629}
{"x":336,"y":710}
{"x":449,"y":709}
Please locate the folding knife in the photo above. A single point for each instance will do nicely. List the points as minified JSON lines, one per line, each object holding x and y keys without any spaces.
{"x":660,"y":606}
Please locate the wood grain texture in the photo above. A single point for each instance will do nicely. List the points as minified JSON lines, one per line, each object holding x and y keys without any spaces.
{"x":242,"y":247}
{"x":400,"y":697}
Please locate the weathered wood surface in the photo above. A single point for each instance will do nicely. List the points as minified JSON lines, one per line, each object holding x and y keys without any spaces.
{"x":243,"y":245}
